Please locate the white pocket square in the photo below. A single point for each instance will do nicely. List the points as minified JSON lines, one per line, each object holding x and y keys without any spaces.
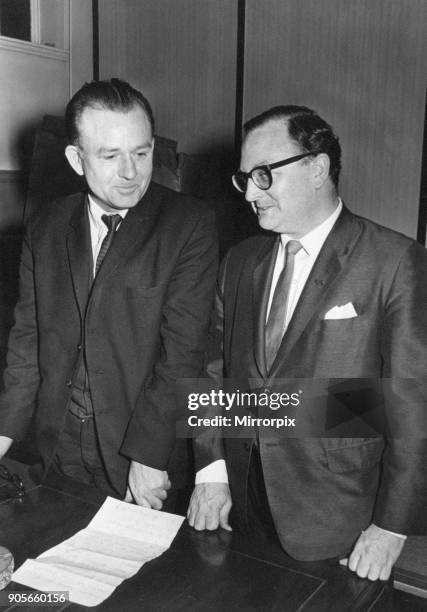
{"x":341,"y":312}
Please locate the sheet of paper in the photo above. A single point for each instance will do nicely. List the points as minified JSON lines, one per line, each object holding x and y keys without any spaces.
{"x":92,"y":563}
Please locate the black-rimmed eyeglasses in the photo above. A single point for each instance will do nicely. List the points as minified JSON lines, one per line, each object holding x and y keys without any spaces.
{"x":261,"y":175}
{"x":18,"y":489}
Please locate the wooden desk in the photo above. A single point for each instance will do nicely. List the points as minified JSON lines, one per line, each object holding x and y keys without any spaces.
{"x":201,"y":571}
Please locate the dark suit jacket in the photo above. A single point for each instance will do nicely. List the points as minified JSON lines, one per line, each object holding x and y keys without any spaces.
{"x":323,"y":491}
{"x":142,"y":327}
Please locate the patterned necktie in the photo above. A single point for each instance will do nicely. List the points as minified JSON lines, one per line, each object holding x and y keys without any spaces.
{"x":112,"y":222}
{"x":276,"y":318}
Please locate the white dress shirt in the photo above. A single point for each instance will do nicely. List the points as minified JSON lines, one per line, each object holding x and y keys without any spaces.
{"x":304,"y":261}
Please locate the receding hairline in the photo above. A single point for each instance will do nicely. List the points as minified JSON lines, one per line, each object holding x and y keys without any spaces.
{"x":124,"y":110}
{"x":283,"y":121}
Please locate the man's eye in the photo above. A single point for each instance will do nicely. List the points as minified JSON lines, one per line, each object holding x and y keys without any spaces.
{"x":109,"y":156}
{"x":141,"y":154}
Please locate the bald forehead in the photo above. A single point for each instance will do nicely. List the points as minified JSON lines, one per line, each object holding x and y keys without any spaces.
{"x":272,"y":129}
{"x":265,"y":143}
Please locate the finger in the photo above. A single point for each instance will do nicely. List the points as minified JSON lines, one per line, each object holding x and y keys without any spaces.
{"x":147,"y":500}
{"x":199,"y":524}
{"x":200,"y":520}
{"x":191,"y":512}
{"x":141,"y":501}
{"x":385,"y":572}
{"x":128,"y":497}
{"x":374,"y":571}
{"x":353,"y":561}
{"x":190,"y":518}
{"x":167,"y":485}
{"x":159,"y":493}
{"x":223,"y":517}
{"x":343,"y":562}
{"x":155,"y":502}
{"x":212,"y":520}
{"x":363,"y":567}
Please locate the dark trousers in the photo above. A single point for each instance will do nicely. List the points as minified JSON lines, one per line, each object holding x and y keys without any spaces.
{"x":78,"y":455}
{"x":258,"y":514}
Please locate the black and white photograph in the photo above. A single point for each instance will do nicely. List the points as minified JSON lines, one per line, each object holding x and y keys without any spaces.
{"x":213,"y":305}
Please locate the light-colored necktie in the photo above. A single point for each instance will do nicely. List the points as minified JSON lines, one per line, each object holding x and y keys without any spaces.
{"x":276,"y":318}
{"x":112,"y":222}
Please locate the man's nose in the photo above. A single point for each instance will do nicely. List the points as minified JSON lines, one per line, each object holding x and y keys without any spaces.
{"x":252,"y":192}
{"x":127,"y":168}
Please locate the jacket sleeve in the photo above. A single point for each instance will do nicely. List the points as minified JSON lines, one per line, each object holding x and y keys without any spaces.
{"x":183,"y":334}
{"x":207,"y":442}
{"x":21,"y":377}
{"x":402,"y":496}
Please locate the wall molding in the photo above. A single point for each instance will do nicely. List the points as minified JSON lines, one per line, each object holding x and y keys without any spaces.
{"x":11,"y":176}
{"x":29,"y":48}
{"x":422,"y":215}
{"x":95,"y":49}
{"x":13,"y":188}
{"x":240,"y":74}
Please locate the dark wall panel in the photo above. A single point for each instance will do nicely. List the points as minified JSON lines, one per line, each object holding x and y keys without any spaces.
{"x":182,"y":55}
{"x":362,"y":64}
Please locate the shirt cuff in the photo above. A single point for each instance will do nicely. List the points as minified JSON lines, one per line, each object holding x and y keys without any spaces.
{"x":214,"y":472}
{"x":398,"y":535}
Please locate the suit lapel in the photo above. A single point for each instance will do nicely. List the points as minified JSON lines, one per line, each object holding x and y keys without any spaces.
{"x":79,"y":250}
{"x":327,"y":268}
{"x":262,"y":276}
{"x":134,"y":229}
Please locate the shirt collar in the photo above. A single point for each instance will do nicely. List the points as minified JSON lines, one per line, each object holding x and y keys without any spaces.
{"x":96,"y":212}
{"x":313,"y":241}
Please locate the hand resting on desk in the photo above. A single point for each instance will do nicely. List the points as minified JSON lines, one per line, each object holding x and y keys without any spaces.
{"x":210,"y":506}
{"x":374,"y":554}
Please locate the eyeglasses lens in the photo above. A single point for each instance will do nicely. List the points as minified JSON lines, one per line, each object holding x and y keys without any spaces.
{"x":261,"y":178}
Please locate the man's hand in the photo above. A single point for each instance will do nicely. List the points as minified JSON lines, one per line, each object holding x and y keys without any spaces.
{"x":5,"y":444}
{"x":147,"y":486}
{"x":374,"y":554}
{"x":210,"y":506}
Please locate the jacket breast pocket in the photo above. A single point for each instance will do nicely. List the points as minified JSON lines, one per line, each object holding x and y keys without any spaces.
{"x":343,"y":326}
{"x":355,"y":457}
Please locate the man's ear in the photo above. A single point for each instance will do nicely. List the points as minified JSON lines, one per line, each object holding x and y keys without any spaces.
{"x":72,"y":153}
{"x":320,"y":165}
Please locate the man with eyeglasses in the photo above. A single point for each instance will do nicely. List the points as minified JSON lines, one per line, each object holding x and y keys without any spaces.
{"x":331,"y":297}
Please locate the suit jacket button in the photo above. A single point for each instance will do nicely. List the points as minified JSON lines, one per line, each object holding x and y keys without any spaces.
{"x":79,"y":347}
{"x":69,"y":383}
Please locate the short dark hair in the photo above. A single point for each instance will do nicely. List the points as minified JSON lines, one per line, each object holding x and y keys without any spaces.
{"x":114,"y":94}
{"x":307,"y":129}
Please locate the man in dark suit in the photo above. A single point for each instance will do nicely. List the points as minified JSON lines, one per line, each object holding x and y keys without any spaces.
{"x":334,"y":298}
{"x":115,"y":292}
